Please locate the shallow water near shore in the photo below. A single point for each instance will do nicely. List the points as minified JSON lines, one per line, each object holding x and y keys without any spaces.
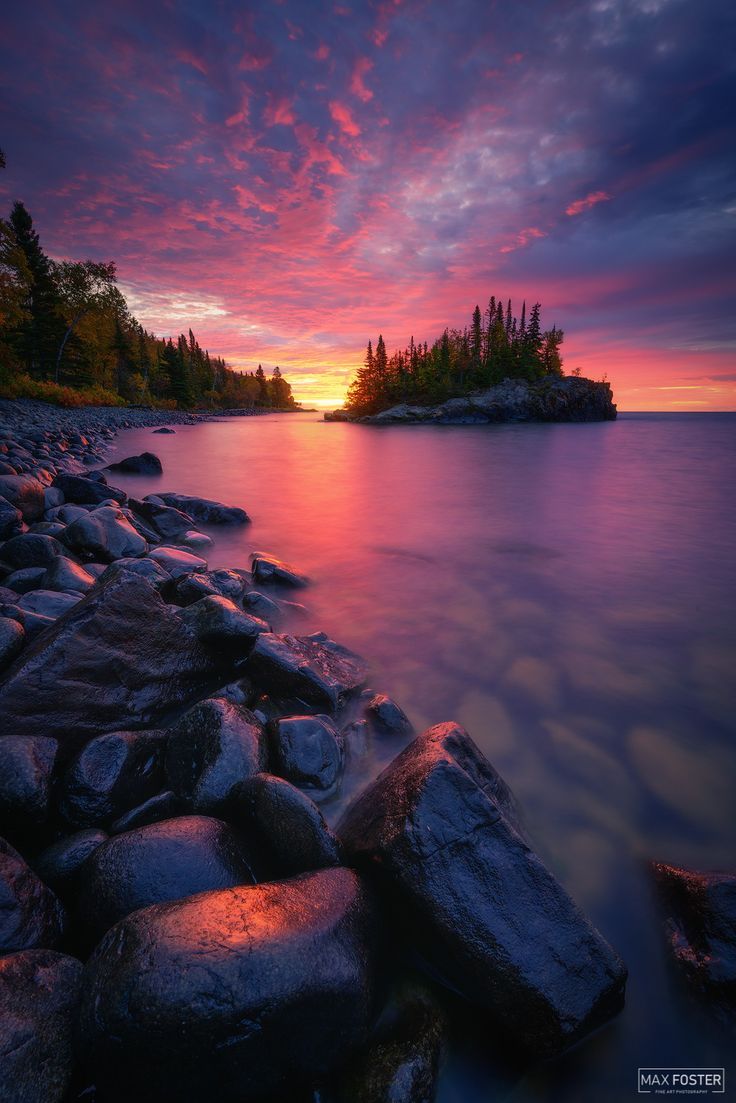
{"x":564,"y":591}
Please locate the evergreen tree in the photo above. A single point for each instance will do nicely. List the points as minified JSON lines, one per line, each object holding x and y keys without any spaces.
{"x":37,"y":338}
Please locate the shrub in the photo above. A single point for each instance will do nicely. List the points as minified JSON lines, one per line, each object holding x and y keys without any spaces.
{"x":22,"y":386}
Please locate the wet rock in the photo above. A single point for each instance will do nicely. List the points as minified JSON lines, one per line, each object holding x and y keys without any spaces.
{"x":402,"y":1062}
{"x":306,"y":750}
{"x":164,"y":429}
{"x":30,"y":550}
{"x":171,"y":524}
{"x":26,"y":772}
{"x":149,"y":865}
{"x":177,"y":562}
{"x":701,"y":929}
{"x":110,"y":775}
{"x":202,"y":510}
{"x":48,"y":603}
{"x":145,"y":464}
{"x":65,"y":575}
{"x":52,"y":497}
{"x":58,"y":864}
{"x":104,"y":535}
{"x":39,"y":998}
{"x":269,"y":571}
{"x":386,"y":718}
{"x":221,"y":624}
{"x":48,"y":528}
{"x":61,"y":684}
{"x":11,"y":519}
{"x":222,"y":583}
{"x":311,"y":668}
{"x":271,"y":609}
{"x":141,"y":568}
{"x":290,"y":830}
{"x":438,"y":832}
{"x":89,"y":491}
{"x":12,"y":638}
{"x":161,"y":806}
{"x":211,"y":748}
{"x":30,"y":914}
{"x":239,"y":1028}
{"x":24,"y":493}
{"x":25,"y":580}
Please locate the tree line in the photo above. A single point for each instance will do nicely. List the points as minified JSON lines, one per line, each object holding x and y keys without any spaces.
{"x":67,"y":323}
{"x":496,"y":346}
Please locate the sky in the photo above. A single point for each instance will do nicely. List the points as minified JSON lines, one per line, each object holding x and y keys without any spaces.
{"x":291,"y":177}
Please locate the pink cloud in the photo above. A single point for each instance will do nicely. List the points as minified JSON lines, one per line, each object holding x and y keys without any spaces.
{"x":589,"y":201}
{"x":322,"y":52}
{"x":357,"y":82}
{"x":529,"y":233}
{"x":341,"y":114}
{"x":279,"y":112}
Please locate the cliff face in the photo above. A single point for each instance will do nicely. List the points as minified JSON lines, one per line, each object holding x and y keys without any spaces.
{"x":567,"y":399}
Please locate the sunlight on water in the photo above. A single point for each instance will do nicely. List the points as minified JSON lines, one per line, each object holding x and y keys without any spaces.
{"x":565,"y":592}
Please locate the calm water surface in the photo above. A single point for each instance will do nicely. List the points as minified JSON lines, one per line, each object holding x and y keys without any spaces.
{"x":564,"y":591}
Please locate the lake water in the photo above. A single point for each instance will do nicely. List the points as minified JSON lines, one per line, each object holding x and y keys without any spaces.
{"x":567,"y":593}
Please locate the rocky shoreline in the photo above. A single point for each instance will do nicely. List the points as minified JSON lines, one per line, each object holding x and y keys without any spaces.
{"x":569,"y":399}
{"x":178,"y":920}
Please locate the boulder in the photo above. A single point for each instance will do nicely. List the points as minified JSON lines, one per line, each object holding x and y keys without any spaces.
{"x":232,"y":995}
{"x":48,"y":603}
{"x":161,"y":806}
{"x":269,"y":571}
{"x":58,"y":864}
{"x":105,"y":534}
{"x":176,"y":561}
{"x":402,"y":1062}
{"x":271,"y":609}
{"x":110,"y":775}
{"x":52,"y":497}
{"x":12,"y":638}
{"x":202,"y":510}
{"x":120,"y":658}
{"x":438,"y":831}
{"x":30,"y":550}
{"x":306,"y":750}
{"x":39,"y":998}
{"x":11,"y":520}
{"x":26,"y":773}
{"x":89,"y":491}
{"x":386,"y":718}
{"x":164,"y":429}
{"x":211,"y":748}
{"x":24,"y":493}
{"x":48,"y":528}
{"x":288,"y":827}
{"x":26,"y":579}
{"x":65,"y":575}
{"x":700,"y":928}
{"x":30,"y":914}
{"x":311,"y":668}
{"x":142,"y":568}
{"x":149,"y":865}
{"x":170,"y":524}
{"x":222,"y":624}
{"x":145,"y":464}
{"x":192,"y":587}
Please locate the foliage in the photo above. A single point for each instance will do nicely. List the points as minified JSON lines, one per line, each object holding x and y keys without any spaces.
{"x":496,"y":346}
{"x":67,"y":321}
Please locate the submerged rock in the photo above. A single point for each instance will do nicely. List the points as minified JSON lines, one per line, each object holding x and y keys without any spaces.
{"x":312,"y":668}
{"x":202,"y":510}
{"x":120,"y":657}
{"x":149,"y":865}
{"x":701,"y":928}
{"x":30,"y":914}
{"x":146,"y":464}
{"x":232,"y":995}
{"x":110,"y":775}
{"x":212,"y":747}
{"x":289,"y":828}
{"x":438,"y":831}
{"x":39,"y":997}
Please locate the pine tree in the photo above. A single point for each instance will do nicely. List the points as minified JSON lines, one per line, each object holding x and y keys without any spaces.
{"x":37,"y":339}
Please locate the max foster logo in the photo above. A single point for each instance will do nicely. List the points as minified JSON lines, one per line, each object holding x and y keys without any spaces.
{"x":681,"y":1081}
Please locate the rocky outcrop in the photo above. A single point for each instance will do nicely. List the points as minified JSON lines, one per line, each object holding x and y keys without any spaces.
{"x":230,"y":995}
{"x":569,"y":398}
{"x":439,"y":835}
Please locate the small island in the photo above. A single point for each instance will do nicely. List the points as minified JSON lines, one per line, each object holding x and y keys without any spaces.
{"x":502,"y":368}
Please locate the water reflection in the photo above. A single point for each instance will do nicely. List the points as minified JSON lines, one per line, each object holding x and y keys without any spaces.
{"x":565,"y":592}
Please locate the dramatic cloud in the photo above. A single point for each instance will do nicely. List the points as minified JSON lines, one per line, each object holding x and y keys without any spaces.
{"x":292,"y":179}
